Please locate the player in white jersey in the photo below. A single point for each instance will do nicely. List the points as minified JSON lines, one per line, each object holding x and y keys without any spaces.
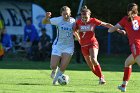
{"x":63,"y":46}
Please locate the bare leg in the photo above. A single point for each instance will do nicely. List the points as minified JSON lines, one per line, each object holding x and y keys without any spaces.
{"x":53,"y":64}
{"x":94,"y":53}
{"x":63,"y":65}
{"x":138,"y":60}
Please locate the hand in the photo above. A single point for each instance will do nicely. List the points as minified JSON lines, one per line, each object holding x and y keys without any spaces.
{"x":48,"y":14}
{"x":121,"y":31}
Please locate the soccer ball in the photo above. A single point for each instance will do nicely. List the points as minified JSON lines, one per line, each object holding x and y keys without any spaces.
{"x":63,"y":79}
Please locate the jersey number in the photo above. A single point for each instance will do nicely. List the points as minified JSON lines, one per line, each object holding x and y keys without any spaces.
{"x":83,"y":34}
{"x":68,"y":34}
{"x":135,"y":25}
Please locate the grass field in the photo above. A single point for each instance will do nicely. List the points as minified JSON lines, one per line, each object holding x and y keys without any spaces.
{"x":34,"y":77}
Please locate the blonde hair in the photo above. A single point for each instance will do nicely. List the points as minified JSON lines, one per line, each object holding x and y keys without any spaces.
{"x":64,"y":8}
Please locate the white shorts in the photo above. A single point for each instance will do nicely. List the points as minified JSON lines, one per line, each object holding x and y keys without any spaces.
{"x":59,"y":50}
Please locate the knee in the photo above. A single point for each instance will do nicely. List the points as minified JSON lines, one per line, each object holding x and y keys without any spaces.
{"x":129,"y":63}
{"x":94,"y":61}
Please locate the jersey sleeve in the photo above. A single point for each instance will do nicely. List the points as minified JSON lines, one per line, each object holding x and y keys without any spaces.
{"x":122,"y":22}
{"x":55,"y":20}
{"x":97,"y":22}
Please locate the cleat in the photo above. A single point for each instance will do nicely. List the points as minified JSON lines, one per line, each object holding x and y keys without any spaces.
{"x":123,"y":89}
{"x":58,"y":73}
{"x":102,"y":81}
{"x":55,"y":83}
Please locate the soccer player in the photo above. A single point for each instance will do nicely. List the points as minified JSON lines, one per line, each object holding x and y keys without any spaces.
{"x":63,"y":46}
{"x":84,"y":32}
{"x":131,"y":23}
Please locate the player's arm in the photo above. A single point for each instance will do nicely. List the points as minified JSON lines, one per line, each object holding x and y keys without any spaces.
{"x":116,"y":28}
{"x":46,"y":20}
{"x":108,"y":25}
{"x":76,"y":34}
{"x":75,"y":31}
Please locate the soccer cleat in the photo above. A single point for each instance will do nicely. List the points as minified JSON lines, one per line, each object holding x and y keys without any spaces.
{"x":58,"y":73}
{"x":55,"y":83}
{"x":102,"y":81}
{"x":123,"y":89}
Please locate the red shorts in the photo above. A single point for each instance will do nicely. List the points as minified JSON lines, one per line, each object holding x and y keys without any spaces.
{"x":135,"y":49}
{"x":85,"y":48}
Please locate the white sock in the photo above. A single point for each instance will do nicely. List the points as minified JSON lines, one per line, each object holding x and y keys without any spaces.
{"x":125,"y":83}
{"x":59,"y":73}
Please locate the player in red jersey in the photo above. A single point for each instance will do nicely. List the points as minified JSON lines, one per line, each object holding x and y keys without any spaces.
{"x":84,"y":32}
{"x":131,"y":23}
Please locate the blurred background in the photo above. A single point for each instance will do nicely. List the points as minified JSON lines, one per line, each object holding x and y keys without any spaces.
{"x":15,"y":12}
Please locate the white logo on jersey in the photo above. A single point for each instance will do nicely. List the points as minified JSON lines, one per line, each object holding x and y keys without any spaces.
{"x":84,"y":28}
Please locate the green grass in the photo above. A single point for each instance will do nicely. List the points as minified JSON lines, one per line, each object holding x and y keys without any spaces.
{"x":34,"y":77}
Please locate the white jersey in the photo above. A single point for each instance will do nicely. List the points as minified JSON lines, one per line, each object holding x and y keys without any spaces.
{"x":64,"y":41}
{"x":64,"y":31}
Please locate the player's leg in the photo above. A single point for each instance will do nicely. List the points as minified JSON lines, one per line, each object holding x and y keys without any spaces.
{"x":55,"y":59}
{"x":54,"y":64}
{"x":127,"y":72}
{"x":85,"y":52}
{"x":90,"y":64}
{"x":138,"y":60}
{"x":94,"y":53}
{"x":65,"y":59}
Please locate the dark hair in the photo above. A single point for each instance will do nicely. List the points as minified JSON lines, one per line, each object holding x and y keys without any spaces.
{"x":85,"y":10}
{"x":132,"y":8}
{"x":64,"y":8}
{"x":29,"y":19}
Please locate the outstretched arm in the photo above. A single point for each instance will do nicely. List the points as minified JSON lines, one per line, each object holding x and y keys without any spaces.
{"x":117,"y":28}
{"x":108,"y":25}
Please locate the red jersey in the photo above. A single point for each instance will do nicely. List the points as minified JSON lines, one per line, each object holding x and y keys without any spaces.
{"x":86,"y":31}
{"x":132,"y":28}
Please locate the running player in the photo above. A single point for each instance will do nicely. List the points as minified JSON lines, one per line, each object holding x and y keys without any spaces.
{"x":84,"y":31}
{"x":63,"y":46}
{"x":131,"y":23}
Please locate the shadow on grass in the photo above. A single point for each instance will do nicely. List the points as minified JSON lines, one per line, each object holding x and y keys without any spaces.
{"x":29,"y":84}
{"x":108,"y":63}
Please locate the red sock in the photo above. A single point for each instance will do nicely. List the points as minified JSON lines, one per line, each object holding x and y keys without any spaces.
{"x":127,"y":73}
{"x":98,"y":71}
